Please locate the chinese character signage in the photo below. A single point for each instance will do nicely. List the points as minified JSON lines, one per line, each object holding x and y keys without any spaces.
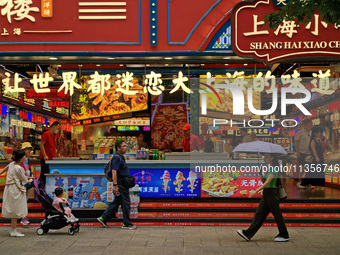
{"x":167,"y":182}
{"x":235,"y":181}
{"x":251,"y":38}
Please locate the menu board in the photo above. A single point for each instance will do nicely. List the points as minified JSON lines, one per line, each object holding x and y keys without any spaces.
{"x":177,"y":182}
{"x":86,"y":104}
{"x":229,"y":184}
{"x":167,"y":123}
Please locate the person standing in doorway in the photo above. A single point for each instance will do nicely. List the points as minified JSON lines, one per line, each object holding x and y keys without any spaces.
{"x":48,"y":148}
{"x":190,"y":142}
{"x":122,"y":196}
{"x":301,"y":140}
{"x":246,"y":138}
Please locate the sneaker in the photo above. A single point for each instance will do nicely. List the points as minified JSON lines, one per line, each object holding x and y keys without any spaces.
{"x":240,"y":232}
{"x":132,"y":227}
{"x":25,"y":221}
{"x":300,"y":186}
{"x":102,"y":221}
{"x":15,"y":233}
{"x":281,"y":239}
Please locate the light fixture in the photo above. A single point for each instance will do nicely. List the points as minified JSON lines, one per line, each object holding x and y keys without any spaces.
{"x":121,"y":65}
{"x":59,"y":65}
{"x":53,"y":58}
{"x":168,"y":58}
{"x":226,"y":58}
{"x":110,"y":58}
{"x":245,"y":64}
{"x":166,"y":64}
{"x":98,"y":65}
{"x":147,"y":64}
{"x":226,"y":64}
{"x":202,"y":64}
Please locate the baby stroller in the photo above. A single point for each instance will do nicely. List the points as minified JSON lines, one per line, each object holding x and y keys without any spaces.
{"x":53,"y":218}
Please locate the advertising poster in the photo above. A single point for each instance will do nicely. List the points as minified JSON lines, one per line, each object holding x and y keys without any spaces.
{"x":167,"y":123}
{"x":82,"y":192}
{"x":233,"y":184}
{"x":167,"y":183}
{"x":110,"y":98}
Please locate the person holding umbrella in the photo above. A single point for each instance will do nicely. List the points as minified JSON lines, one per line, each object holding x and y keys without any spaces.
{"x":270,"y":201}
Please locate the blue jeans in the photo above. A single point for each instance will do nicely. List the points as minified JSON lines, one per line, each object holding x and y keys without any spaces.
{"x":124,"y":200}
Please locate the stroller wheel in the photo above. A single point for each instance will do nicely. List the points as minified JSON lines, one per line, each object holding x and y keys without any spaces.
{"x":71,"y":231}
{"x":40,"y":231}
{"x":46,"y":230}
{"x":76,"y":230}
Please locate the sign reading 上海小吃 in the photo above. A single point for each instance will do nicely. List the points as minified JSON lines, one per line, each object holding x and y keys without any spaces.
{"x":252,"y":39}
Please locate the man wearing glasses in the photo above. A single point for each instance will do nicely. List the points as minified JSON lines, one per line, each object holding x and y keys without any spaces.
{"x":122,"y":196}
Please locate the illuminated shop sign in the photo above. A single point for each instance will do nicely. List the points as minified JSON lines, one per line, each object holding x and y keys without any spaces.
{"x":252,"y":38}
{"x":21,"y":123}
{"x":128,"y":128}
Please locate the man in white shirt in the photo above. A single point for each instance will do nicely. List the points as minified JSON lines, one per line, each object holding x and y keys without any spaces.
{"x":301,"y":140}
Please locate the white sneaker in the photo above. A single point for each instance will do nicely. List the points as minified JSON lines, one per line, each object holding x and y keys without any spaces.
{"x":281,"y":239}
{"x":240,"y":232}
{"x":15,"y":233}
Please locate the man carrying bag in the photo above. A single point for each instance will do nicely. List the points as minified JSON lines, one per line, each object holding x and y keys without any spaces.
{"x":120,"y":173}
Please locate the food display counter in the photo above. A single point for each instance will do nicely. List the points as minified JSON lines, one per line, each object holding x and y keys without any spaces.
{"x":85,"y":184}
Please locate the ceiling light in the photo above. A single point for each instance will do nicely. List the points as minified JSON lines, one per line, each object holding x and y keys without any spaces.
{"x":110,"y":58}
{"x":226,"y":58}
{"x":97,"y":65}
{"x":53,"y":58}
{"x":202,"y":64}
{"x":166,"y":64}
{"x":59,"y":65}
{"x":168,"y":58}
{"x":226,"y":64}
{"x":245,"y":64}
{"x":147,"y":64}
{"x":121,"y":65}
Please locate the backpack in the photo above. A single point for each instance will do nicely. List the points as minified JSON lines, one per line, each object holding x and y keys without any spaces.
{"x":108,"y":170}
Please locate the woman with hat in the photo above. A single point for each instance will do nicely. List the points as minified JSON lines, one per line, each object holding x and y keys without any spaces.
{"x":26,"y":165}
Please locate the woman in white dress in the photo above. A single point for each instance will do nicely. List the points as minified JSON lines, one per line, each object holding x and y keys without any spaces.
{"x":14,"y":204}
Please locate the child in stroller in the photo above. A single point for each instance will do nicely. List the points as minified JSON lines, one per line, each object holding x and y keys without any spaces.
{"x":58,"y":203}
{"x":54,"y":219}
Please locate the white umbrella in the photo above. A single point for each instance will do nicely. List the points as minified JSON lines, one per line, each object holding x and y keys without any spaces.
{"x":260,"y":147}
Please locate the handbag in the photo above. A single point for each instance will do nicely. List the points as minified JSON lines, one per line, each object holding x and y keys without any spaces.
{"x":282,"y":194}
{"x":309,"y":159}
{"x":128,"y":181}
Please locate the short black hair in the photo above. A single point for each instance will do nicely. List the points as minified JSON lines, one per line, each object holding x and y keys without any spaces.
{"x":17,"y":155}
{"x":56,"y":123}
{"x":119,"y":144}
{"x":58,"y":191}
{"x":68,"y":136}
{"x":244,"y":129}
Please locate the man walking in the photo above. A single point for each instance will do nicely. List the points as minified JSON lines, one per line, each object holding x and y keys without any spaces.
{"x":122,"y":196}
{"x":48,"y":148}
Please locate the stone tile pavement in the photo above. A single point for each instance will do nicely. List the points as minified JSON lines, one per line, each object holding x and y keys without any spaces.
{"x":154,"y":240}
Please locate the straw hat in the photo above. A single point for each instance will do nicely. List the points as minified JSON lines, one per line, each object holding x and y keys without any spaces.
{"x":26,"y":145}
